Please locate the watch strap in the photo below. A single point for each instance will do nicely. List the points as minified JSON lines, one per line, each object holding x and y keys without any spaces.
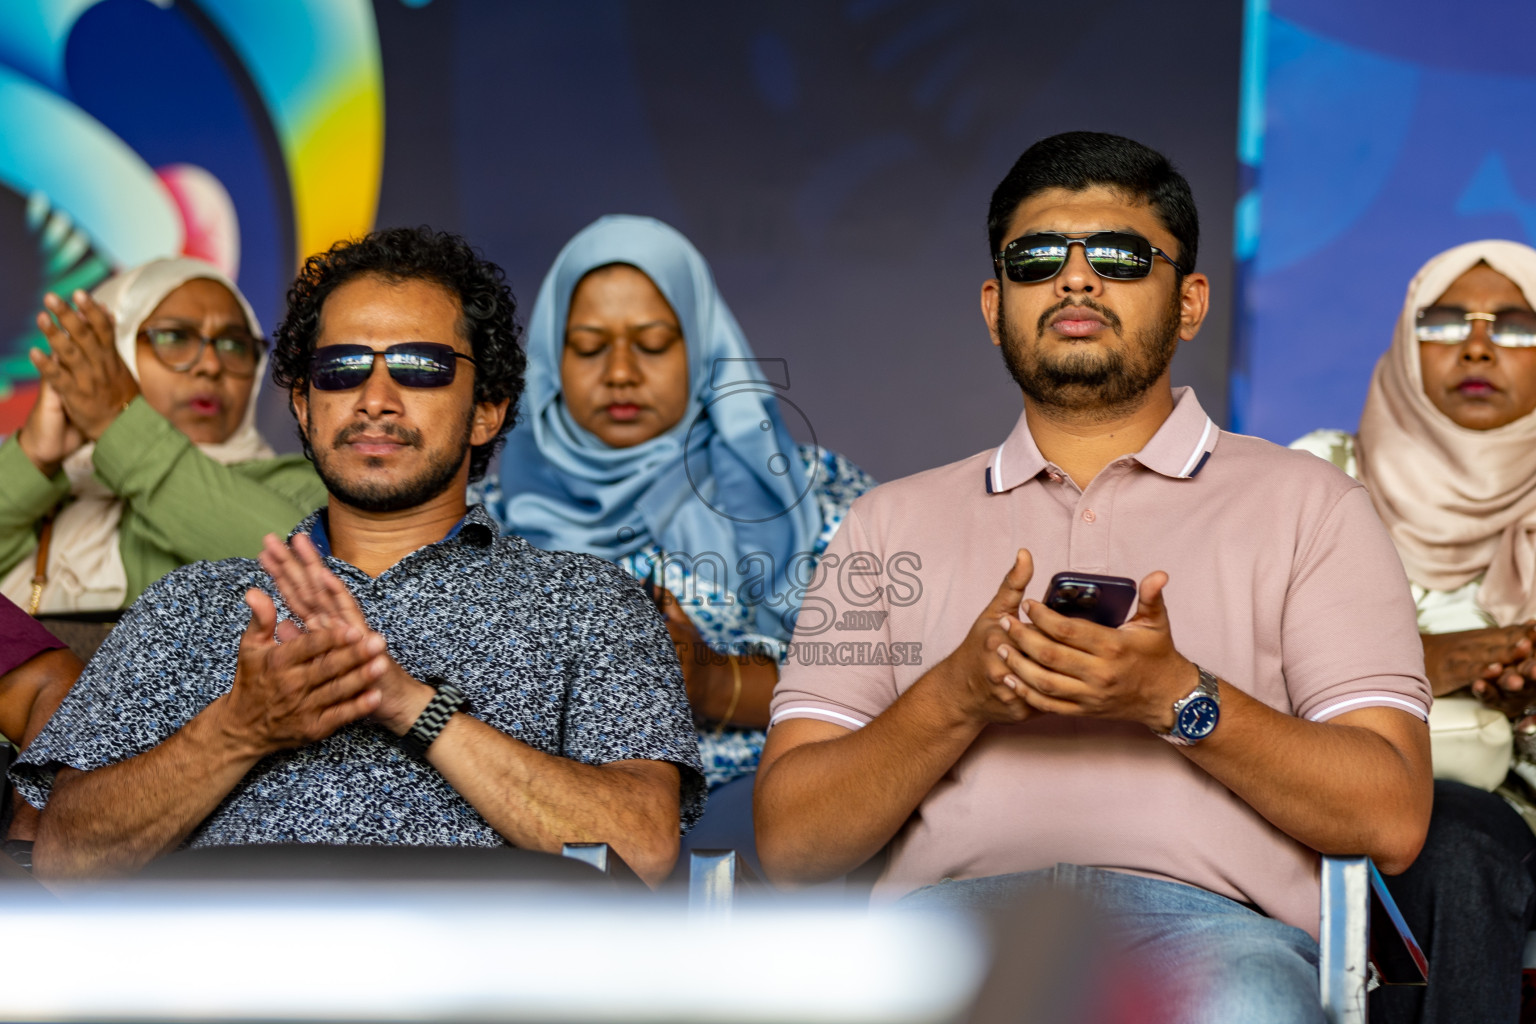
{"x":1208,"y":688}
{"x":433,"y":718}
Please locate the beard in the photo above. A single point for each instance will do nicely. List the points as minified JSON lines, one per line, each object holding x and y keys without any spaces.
{"x":1084,"y":379}
{"x":372,"y":495}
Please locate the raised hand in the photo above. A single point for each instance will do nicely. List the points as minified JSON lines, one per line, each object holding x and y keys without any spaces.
{"x":48,"y":437}
{"x":91,"y":379}
{"x":311,"y":591}
{"x":979,"y":668}
{"x":293,"y":688}
{"x":322,"y":602}
{"x":1075,"y":667}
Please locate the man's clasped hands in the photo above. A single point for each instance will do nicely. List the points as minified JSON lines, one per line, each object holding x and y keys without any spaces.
{"x":301,"y":679}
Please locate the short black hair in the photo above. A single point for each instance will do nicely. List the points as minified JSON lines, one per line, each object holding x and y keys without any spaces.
{"x":489,"y":320}
{"x":1076,"y":161}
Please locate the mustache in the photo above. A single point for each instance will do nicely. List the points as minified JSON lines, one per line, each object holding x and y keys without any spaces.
{"x":405,"y":435}
{"x":1110,"y":318}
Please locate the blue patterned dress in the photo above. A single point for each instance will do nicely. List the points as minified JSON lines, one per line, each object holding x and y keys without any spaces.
{"x":730,"y":753}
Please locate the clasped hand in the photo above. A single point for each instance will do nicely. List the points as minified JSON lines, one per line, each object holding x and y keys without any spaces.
{"x":296,"y":685}
{"x":1015,"y":666}
{"x":85,"y":383}
{"x":1496,"y":663}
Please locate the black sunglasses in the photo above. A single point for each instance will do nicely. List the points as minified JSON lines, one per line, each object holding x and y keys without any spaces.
{"x":1114,"y":255}
{"x":412,"y":364}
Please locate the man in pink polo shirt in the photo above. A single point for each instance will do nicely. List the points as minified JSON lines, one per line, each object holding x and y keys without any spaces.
{"x":1264,"y":702}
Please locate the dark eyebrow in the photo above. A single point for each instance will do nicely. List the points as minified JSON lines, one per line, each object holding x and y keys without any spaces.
{"x":638,"y":327}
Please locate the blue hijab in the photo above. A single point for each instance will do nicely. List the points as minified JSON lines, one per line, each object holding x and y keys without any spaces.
{"x":727,"y":479}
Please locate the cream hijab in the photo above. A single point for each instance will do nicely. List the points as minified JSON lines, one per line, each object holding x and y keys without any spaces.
{"x":1458,"y":503}
{"x":85,"y":562}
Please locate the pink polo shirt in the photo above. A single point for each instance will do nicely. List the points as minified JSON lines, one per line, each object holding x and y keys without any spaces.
{"x":1282,"y":582}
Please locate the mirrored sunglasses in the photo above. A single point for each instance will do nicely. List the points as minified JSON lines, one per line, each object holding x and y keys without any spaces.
{"x":1452,"y":325}
{"x":411,"y":364}
{"x":1114,"y":255}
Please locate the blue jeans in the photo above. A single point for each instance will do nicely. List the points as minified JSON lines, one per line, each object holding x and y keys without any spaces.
{"x":1209,"y":959}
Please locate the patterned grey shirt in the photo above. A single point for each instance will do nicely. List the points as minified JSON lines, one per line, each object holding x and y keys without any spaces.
{"x":562,"y":651}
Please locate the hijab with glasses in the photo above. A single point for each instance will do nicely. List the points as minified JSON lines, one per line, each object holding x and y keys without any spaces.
{"x":1458,"y":503}
{"x":727,"y":479}
{"x":85,"y":562}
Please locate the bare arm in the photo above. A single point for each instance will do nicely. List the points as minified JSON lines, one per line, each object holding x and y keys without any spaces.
{"x":539,"y":801}
{"x":29,"y":695}
{"x":113,"y":820}
{"x":828,"y":798}
{"x":1358,"y":783}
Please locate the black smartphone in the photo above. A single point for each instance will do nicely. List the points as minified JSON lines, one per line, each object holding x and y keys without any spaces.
{"x":1107,"y":600}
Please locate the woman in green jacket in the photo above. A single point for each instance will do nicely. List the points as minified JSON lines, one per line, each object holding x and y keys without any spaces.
{"x":142,"y":453}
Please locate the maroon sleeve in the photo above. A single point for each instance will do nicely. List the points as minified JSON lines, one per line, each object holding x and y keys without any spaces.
{"x":21,"y":637}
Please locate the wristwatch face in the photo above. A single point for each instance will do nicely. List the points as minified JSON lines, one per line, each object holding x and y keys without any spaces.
{"x":1198,"y":717}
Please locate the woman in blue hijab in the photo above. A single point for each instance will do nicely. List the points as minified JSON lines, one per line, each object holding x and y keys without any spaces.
{"x":651,"y":435}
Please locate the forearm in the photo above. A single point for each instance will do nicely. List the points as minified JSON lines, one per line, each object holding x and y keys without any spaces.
{"x":745,"y":707}
{"x":190,"y":504}
{"x":540,"y":802}
{"x":834,"y":798}
{"x":1340,"y":787}
{"x":53,"y":674}
{"x":114,"y":820}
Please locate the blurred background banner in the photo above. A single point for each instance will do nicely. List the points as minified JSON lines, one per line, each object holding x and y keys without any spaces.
{"x":1374,"y":135}
{"x":245,"y":132}
{"x":833,"y":161}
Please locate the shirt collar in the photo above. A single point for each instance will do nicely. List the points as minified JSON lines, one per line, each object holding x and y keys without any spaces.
{"x":1179,"y":449}
{"x":477,"y":527}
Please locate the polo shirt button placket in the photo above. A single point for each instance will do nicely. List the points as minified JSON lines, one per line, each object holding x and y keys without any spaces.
{"x":1088,"y":515}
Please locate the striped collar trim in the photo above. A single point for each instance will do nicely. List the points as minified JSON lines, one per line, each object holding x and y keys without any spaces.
{"x":1180,"y":449}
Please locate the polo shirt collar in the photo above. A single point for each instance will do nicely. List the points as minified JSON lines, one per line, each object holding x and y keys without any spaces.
{"x":1180,"y":448}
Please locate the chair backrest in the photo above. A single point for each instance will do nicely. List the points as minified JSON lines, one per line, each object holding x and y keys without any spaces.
{"x":83,"y":633}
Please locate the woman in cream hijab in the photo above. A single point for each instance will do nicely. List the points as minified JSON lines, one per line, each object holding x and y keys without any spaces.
{"x":1447,"y":449}
{"x":142,"y":453}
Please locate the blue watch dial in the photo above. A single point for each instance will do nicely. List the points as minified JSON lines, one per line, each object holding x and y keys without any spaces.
{"x":1198,"y":717}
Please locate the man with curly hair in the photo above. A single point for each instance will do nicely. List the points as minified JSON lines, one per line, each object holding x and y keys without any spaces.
{"x":397,"y":673}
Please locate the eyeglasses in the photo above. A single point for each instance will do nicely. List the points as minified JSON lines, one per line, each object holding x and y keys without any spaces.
{"x":1113,"y":255}
{"x":179,"y":349}
{"x":1452,"y":325}
{"x":412,"y":364}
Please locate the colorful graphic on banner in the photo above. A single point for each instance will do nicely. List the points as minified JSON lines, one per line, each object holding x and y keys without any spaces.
{"x":1374,"y":135}
{"x":246,"y":132}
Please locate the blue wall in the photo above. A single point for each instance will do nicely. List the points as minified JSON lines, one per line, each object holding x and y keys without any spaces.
{"x":1375,"y":135}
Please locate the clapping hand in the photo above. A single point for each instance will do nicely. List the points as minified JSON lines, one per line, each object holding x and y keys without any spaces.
{"x":318,"y":598}
{"x":292,"y":688}
{"x":48,"y":437}
{"x":983,"y":667}
{"x":91,"y":380}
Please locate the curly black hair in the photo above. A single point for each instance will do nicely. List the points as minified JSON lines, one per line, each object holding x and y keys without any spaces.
{"x":488,"y":322}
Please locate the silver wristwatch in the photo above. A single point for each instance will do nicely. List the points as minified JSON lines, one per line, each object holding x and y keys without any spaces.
{"x":1195,"y":716}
